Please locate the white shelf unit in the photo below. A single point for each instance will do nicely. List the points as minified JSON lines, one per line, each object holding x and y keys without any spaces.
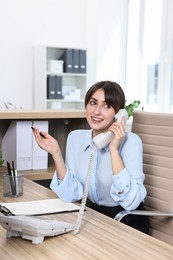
{"x":41,"y":54}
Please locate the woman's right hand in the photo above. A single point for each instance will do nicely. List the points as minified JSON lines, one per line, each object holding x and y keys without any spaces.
{"x":46,"y":142}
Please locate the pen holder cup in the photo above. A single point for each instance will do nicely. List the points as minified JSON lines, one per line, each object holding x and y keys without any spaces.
{"x":12,"y":185}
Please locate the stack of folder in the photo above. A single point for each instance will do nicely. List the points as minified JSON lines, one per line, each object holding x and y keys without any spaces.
{"x":54,"y":87}
{"x":19,"y":145}
{"x":74,"y":60}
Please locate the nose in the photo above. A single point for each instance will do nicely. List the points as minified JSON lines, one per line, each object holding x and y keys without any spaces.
{"x":97,"y":110}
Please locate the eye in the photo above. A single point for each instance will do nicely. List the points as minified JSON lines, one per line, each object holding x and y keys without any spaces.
{"x":106,"y":106}
{"x":92,"y":102}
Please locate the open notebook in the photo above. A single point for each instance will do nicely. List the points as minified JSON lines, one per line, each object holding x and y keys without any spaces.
{"x":40,"y":207}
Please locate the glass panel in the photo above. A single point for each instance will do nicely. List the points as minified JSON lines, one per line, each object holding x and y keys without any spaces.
{"x":143,"y":52}
{"x":151,"y":51}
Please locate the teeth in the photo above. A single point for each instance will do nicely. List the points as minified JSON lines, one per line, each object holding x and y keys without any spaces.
{"x":96,"y":119}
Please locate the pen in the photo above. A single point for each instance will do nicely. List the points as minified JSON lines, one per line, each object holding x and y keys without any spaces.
{"x":8,"y":168}
{"x":11,"y":178}
{"x":13,"y":169}
{"x":16,"y":184}
{"x":40,"y":133}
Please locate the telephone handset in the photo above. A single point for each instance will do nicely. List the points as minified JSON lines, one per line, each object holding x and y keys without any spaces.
{"x":103,"y":139}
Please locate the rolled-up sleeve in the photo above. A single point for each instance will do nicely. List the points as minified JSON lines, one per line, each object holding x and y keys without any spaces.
{"x":121,"y":182}
{"x":128,"y":188}
{"x":69,"y":189}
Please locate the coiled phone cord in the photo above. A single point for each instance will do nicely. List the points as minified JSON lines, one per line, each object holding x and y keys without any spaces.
{"x":83,"y":203}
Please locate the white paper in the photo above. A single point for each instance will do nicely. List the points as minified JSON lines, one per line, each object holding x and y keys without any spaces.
{"x":40,"y":207}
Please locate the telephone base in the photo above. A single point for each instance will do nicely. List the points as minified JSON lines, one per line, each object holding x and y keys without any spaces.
{"x":33,"y":228}
{"x":35,"y":239}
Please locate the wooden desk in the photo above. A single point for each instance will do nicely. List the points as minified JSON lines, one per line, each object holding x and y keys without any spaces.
{"x":100,"y":237}
{"x":41,"y":114}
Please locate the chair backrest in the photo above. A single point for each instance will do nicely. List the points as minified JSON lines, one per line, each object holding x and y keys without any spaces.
{"x":156,"y":132}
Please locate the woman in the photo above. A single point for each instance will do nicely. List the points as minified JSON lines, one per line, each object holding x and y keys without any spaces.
{"x":117,"y":176}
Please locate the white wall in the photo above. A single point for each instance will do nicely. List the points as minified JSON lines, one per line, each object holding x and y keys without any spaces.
{"x":106,"y":40}
{"x":111,"y":47}
{"x":91,"y":24}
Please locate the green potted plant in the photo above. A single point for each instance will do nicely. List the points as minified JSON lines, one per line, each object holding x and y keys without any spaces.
{"x":132,"y":106}
{"x":130,"y":109}
{"x":1,"y":159}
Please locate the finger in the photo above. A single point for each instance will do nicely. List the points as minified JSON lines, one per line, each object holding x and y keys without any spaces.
{"x":123,"y":121}
{"x":118,"y":130}
{"x":37,"y":135}
{"x":34,"y":129}
{"x":43,"y":134}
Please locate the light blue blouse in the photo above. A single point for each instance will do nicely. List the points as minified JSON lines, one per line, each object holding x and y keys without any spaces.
{"x":105,"y":188}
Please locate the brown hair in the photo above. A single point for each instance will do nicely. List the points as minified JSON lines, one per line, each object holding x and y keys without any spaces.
{"x":114,"y":95}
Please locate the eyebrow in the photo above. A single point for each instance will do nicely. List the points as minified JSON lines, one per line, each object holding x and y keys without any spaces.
{"x":97,"y":99}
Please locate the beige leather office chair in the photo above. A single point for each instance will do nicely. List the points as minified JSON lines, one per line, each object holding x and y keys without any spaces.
{"x":156,"y":132}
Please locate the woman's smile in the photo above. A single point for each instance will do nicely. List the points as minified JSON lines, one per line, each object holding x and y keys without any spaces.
{"x":96,"y":120}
